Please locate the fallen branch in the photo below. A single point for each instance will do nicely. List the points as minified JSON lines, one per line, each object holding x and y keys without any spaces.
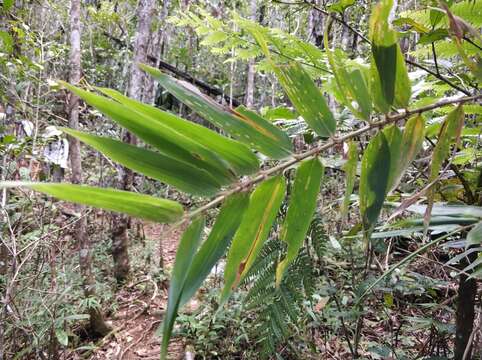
{"x":211,"y":90}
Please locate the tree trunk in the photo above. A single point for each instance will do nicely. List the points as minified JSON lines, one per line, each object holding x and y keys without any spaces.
{"x":154,"y":54}
{"x":465,"y":312}
{"x":315,"y":27}
{"x":121,"y":223}
{"x":249,"y":97}
{"x":97,"y":324}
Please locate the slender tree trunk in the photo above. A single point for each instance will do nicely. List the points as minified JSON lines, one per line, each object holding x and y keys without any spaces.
{"x":465,"y":312}
{"x":315,"y":27}
{"x":97,"y":323}
{"x":154,"y":54}
{"x":249,"y":97}
{"x":121,"y":223}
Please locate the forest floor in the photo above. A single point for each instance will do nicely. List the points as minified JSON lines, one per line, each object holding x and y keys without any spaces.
{"x":140,"y":306}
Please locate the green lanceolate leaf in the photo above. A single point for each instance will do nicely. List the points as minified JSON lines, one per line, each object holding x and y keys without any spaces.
{"x":168,"y":141}
{"x":474,"y":237}
{"x":215,"y":246}
{"x":352,"y":85}
{"x":306,"y":98}
{"x":137,"y":205}
{"x":393,"y":135}
{"x":240,"y":159}
{"x":301,"y":90}
{"x":350,"y":175}
{"x":184,"y":257}
{"x":449,"y":133}
{"x":341,"y":5}
{"x":359,"y":90}
{"x":385,"y":58}
{"x":258,"y":134}
{"x":263,"y":206}
{"x":300,"y":211}
{"x":375,"y":167}
{"x":412,"y":140}
{"x":179,"y":174}
{"x":252,"y":117}
{"x":390,"y":82}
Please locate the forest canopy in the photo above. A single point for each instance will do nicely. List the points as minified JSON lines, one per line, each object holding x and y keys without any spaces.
{"x":261,"y":179}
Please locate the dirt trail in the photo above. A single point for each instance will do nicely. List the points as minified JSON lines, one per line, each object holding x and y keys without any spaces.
{"x":141,"y":304}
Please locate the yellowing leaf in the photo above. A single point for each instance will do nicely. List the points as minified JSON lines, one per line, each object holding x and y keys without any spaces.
{"x":253,"y":231}
{"x":256,"y":133}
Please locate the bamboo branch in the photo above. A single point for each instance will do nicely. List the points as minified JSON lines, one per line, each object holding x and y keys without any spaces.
{"x":264,"y":174}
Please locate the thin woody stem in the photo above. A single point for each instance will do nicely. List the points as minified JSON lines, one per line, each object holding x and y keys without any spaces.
{"x":264,"y":174}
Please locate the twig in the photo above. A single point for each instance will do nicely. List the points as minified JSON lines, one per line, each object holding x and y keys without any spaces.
{"x":472,"y":43}
{"x":470,"y":196}
{"x":365,"y":39}
{"x":406,"y":260}
{"x":468,"y":348}
{"x":343,"y":325}
{"x":138,"y":340}
{"x":434,"y":53}
{"x":263,"y":175}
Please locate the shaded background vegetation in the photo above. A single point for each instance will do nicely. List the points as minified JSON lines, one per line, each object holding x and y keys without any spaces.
{"x":429,"y":309}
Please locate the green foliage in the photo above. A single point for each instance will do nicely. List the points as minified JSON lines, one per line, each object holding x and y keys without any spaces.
{"x":350,"y":171}
{"x":184,"y":176}
{"x":184,"y":258}
{"x":449,"y":133}
{"x":281,"y":309}
{"x":169,"y":141}
{"x":303,"y":202}
{"x":253,"y":131}
{"x":215,"y":246}
{"x":253,"y":230}
{"x":240,"y":160}
{"x":281,"y":276}
{"x":301,"y":90}
{"x":352,"y":81}
{"x":390,"y":82}
{"x":375,"y":166}
{"x":138,"y":205}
